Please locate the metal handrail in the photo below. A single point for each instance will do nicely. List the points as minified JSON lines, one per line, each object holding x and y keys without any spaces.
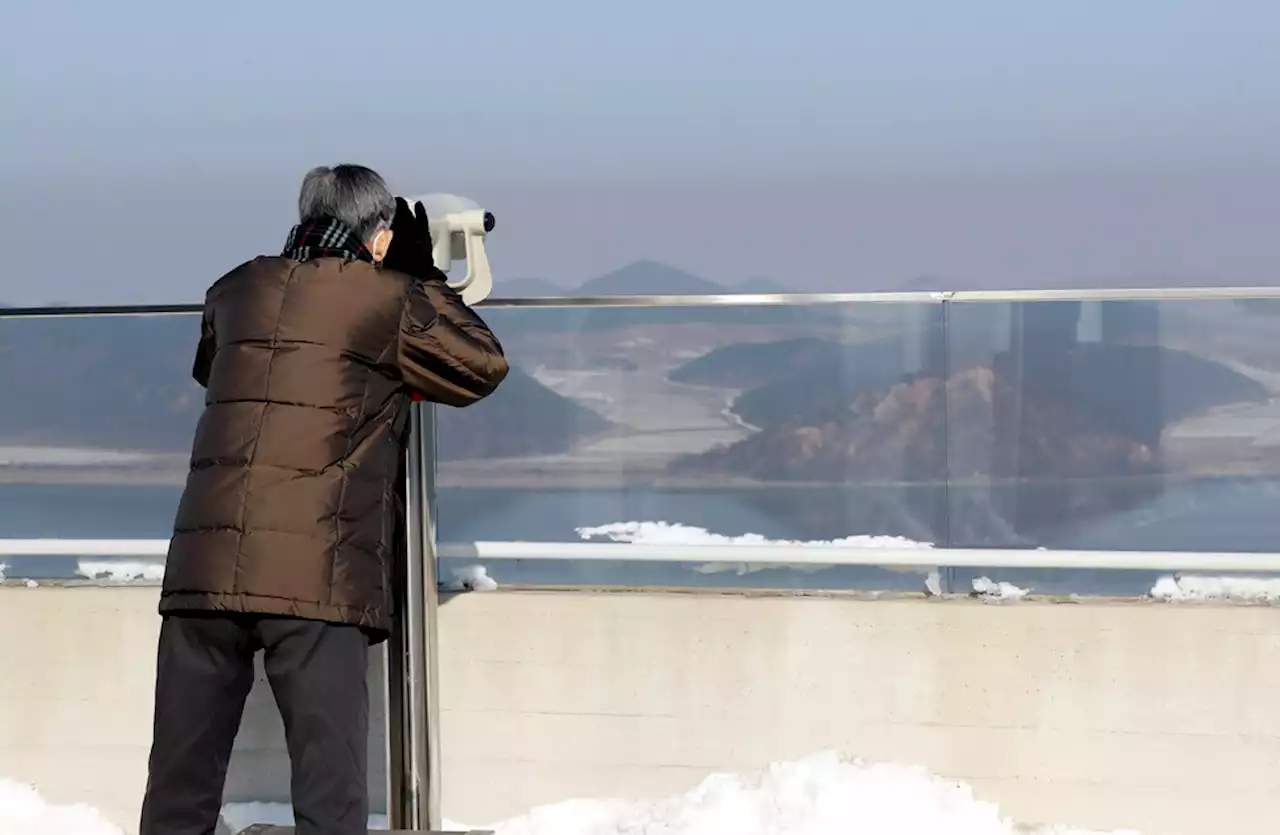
{"x":777,"y":553}
{"x":906,"y":297}
{"x":794,"y":554}
{"x":741,"y":300}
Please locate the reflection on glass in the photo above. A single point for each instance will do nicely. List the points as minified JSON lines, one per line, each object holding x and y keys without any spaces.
{"x":1114,"y":425}
{"x":96,"y":427}
{"x":795,"y":423}
{"x":95,"y":438}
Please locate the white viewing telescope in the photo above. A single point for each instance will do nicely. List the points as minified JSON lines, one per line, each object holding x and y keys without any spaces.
{"x":458,"y":228}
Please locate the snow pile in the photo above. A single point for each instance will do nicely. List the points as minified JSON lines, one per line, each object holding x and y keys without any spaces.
{"x":120,"y":571}
{"x":471,"y":578}
{"x":24,"y":812}
{"x":984,"y":588}
{"x":1198,"y":588}
{"x":825,"y":794}
{"x":667,"y":533}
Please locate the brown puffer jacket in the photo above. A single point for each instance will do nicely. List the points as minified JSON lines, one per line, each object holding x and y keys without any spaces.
{"x":290,"y":506}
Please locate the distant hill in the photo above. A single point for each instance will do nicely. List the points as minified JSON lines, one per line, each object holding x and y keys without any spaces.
{"x":119,"y":382}
{"x":523,"y":417}
{"x":646,"y":278}
{"x":649,"y":278}
{"x":124,"y":383}
{"x":1088,"y":409}
{"x":751,"y":364}
{"x":806,"y":376}
{"x":909,"y":430}
{"x":1045,"y":336}
{"x":527,"y":288}
{"x":1030,"y":445}
{"x":641,"y":278}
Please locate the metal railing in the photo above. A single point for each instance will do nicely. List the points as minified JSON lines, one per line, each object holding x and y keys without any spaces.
{"x":741,"y":300}
{"x":413,"y":703}
{"x":746,"y":553}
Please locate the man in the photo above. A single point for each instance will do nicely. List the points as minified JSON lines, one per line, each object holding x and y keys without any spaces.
{"x":285,"y":533}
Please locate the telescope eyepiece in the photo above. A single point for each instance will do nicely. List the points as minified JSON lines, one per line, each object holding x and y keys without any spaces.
{"x":488,"y":222}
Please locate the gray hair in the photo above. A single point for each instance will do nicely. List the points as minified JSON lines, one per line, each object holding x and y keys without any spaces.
{"x":353,"y":194}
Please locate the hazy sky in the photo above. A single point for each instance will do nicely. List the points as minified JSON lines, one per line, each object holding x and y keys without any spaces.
{"x":149,"y":146}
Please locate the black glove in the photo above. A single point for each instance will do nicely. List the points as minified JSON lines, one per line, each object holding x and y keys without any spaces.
{"x":410,"y":248}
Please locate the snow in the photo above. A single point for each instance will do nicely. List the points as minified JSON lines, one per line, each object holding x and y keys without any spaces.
{"x":987,"y":589}
{"x":825,"y":794}
{"x":471,"y":578}
{"x":668,"y":533}
{"x":31,"y":584}
{"x":822,"y":795}
{"x":24,"y":812}
{"x":1201,"y":588}
{"x":120,"y":571}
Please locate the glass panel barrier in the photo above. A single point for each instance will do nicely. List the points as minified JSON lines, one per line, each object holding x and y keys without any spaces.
{"x":95,"y":436}
{"x":1113,"y":425}
{"x":1097,"y":425}
{"x":95,"y":432}
{"x":792,"y":423}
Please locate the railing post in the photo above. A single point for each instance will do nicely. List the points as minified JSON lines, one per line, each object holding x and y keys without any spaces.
{"x":412,"y":693}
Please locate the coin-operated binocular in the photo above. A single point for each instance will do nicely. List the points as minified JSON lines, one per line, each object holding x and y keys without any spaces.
{"x":458,"y":228}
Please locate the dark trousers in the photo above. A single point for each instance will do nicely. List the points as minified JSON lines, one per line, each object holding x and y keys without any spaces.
{"x":204,"y":672}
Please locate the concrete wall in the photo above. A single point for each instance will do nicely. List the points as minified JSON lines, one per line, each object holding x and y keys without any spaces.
{"x":1164,"y":718}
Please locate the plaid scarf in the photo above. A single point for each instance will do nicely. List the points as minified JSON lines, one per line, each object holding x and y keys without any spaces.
{"x":325,"y":237}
